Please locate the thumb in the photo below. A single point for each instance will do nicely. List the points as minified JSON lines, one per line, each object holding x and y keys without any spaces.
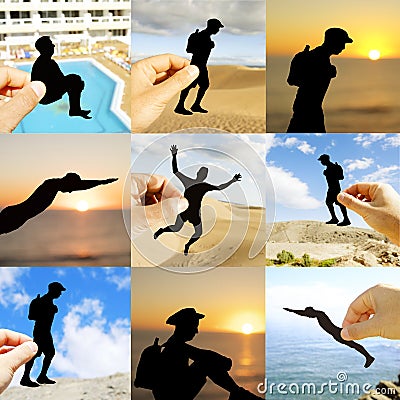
{"x":21,"y":104}
{"x":20,"y":355}
{"x":360,"y":207}
{"x":361,"y":330}
{"x":165,"y":210}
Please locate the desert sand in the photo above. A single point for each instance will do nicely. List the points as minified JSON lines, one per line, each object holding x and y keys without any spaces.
{"x":349,"y":246}
{"x":235,"y":101}
{"x":114,"y":387}
{"x":233,"y":235}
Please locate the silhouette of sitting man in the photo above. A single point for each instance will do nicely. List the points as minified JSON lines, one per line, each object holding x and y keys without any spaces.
{"x":57,"y":84}
{"x":195,"y":189}
{"x":312,"y":71}
{"x":175,"y":378}
{"x":42,"y":310}
{"x":328,"y":326}
{"x":333,"y":174}
{"x":13,"y":217}
{"x":200,"y":45}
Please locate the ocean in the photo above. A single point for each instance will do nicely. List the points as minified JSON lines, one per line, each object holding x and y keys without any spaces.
{"x":364,"y":97}
{"x":68,"y":238}
{"x":247,"y":353}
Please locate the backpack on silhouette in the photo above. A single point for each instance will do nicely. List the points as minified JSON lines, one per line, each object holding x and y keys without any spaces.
{"x":194,"y":42}
{"x":339,"y":171}
{"x":298,"y":67}
{"x":147,"y":372}
{"x":34,"y":308}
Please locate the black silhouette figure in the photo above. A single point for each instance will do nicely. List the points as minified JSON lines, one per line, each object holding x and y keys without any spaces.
{"x":328,"y":326}
{"x":200,"y":45}
{"x":13,"y":217}
{"x":311,"y":71}
{"x":165,"y":368}
{"x":42,"y":310}
{"x":333,"y":174}
{"x":195,"y":189}
{"x":57,"y":84}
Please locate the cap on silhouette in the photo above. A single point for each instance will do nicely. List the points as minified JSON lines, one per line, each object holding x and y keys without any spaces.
{"x":186,"y":315}
{"x":56,"y":286}
{"x":324,"y":157}
{"x":214,"y":22}
{"x":337,"y":35}
{"x":43,"y":43}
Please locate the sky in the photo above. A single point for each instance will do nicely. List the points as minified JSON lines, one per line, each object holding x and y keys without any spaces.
{"x":291,"y":24}
{"x":229,"y":297}
{"x":91,"y":330}
{"x":28,"y":160}
{"x":297,"y":175}
{"x":163,"y":27}
{"x":224,"y":154}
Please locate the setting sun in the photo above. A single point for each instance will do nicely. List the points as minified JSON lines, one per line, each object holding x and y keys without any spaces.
{"x":247,"y":329}
{"x":374,"y":55}
{"x":82,"y":205}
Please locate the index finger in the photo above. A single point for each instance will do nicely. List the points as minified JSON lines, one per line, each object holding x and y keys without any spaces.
{"x":361,"y":306}
{"x":13,"y":78}
{"x":11,"y":338}
{"x":167,"y":62}
{"x":363,"y":188}
{"x":158,"y":183}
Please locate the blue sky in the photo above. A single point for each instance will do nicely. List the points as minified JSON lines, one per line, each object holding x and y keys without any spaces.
{"x":297,"y":175}
{"x":91,"y":330}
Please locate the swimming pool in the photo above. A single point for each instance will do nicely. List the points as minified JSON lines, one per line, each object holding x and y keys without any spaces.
{"x":102,"y":95}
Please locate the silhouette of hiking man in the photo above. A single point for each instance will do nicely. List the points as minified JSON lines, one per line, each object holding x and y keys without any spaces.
{"x":195,"y":189}
{"x":166,"y":371}
{"x":333,"y":174}
{"x":57,"y":84}
{"x":312,"y":71}
{"x":42,"y":310}
{"x":328,"y":326}
{"x":200,"y":45}
{"x":13,"y":217}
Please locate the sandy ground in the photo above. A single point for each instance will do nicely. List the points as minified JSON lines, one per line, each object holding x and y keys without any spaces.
{"x":235,"y":101}
{"x":233,"y":235}
{"x":350,"y":246}
{"x":114,"y":387}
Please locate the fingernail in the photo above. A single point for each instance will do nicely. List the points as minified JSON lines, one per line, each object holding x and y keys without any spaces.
{"x":39,"y":88}
{"x":32,"y":346}
{"x":341,"y":196}
{"x":183,"y":204}
{"x":192,"y":70}
{"x":345,"y":334}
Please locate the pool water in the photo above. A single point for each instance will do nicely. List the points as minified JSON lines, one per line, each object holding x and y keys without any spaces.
{"x":96,"y":96}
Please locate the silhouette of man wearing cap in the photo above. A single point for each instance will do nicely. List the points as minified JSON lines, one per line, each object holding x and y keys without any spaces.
{"x":42,"y":310}
{"x":195,"y":190}
{"x":311,"y":71}
{"x":200,"y":45}
{"x":57,"y":84}
{"x":333,"y":174}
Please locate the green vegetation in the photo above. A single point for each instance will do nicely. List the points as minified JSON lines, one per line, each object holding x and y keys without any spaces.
{"x":287,"y":258}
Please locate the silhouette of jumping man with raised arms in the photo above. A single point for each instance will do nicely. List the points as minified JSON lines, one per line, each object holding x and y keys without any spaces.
{"x":311,"y":71}
{"x":57,"y":84}
{"x":200,"y":45}
{"x":195,"y":189}
{"x":328,"y":326}
{"x":42,"y":310}
{"x":13,"y":217}
{"x":333,"y":174}
{"x":166,"y":371}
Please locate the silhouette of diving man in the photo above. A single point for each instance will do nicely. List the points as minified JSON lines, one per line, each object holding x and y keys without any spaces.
{"x":312,"y":71}
{"x":57,"y":84}
{"x":328,"y":326}
{"x":181,"y":381}
{"x":195,"y":189}
{"x":333,"y":174}
{"x":13,"y":217}
{"x":200,"y":45}
{"x":42,"y":310}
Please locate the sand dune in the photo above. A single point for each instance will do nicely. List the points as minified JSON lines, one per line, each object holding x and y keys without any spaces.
{"x":349,"y":246}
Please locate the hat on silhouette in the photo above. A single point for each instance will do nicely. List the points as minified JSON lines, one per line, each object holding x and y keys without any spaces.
{"x":214,"y":22}
{"x":186,"y":315}
{"x":56,"y":286}
{"x":324,"y":157}
{"x":43,"y":43}
{"x":337,"y":35}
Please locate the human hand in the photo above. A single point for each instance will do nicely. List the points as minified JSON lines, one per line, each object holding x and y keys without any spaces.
{"x":237,"y":177}
{"x":21,"y":97}
{"x":16,"y":349}
{"x":378,"y":204}
{"x":381,"y":301}
{"x":155,"y":200}
{"x":174,"y":149}
{"x":155,"y":81}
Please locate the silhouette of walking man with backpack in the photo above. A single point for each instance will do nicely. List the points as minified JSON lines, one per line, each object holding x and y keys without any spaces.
{"x":42,"y":310}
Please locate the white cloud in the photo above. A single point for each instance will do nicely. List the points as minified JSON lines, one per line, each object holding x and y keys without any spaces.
{"x":384,"y":175}
{"x":364,"y":163}
{"x":122,"y":281}
{"x":305,"y":148}
{"x":11,"y":292}
{"x":289,"y":142}
{"x":387,"y":141}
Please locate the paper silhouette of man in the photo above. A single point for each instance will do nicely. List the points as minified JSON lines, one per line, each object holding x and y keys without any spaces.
{"x":200,"y":45}
{"x":57,"y":84}
{"x":333,"y":174}
{"x":311,"y":71}
{"x":42,"y":310}
{"x":328,"y":326}
{"x":195,"y":189}
{"x":175,"y":378}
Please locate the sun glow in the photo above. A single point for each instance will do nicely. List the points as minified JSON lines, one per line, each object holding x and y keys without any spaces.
{"x":82,"y":206}
{"x":374,"y":55}
{"x":247,"y":329}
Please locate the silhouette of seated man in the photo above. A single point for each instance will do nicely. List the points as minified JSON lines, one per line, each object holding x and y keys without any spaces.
{"x":328,"y":326}
{"x":42,"y":310}
{"x":57,"y":84}
{"x":13,"y":217}
{"x":184,"y":369}
{"x":195,"y":190}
